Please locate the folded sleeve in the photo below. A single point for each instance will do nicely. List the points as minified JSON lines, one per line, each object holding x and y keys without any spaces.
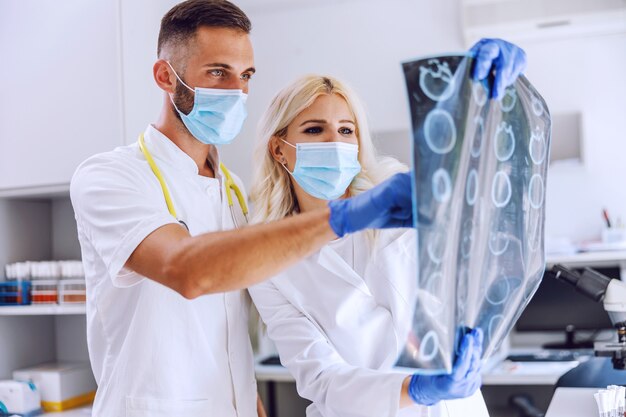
{"x":117,"y":204}
{"x":322,"y":375}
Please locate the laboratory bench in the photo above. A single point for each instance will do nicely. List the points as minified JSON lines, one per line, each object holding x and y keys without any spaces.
{"x":531,"y":366}
{"x":501,"y":379}
{"x":496,"y":371}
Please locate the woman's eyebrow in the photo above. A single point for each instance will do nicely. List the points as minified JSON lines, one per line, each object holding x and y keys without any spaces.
{"x":321,"y":121}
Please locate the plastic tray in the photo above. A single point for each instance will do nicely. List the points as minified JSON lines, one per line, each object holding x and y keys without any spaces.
{"x":45,"y":291}
{"x":14,"y":293}
{"x":72,"y":291}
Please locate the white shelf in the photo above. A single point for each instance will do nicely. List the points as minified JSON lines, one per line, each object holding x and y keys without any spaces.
{"x":43,"y":310}
{"x":76,"y":412}
{"x":591,"y":259}
{"x":37,"y":192}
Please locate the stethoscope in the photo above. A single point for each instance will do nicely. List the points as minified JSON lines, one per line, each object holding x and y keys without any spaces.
{"x":229,"y":185}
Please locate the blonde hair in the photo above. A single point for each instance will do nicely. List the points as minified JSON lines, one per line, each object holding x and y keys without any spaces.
{"x":271,"y":193}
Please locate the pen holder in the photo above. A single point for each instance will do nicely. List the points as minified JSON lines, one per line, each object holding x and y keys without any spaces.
{"x":614,"y":235}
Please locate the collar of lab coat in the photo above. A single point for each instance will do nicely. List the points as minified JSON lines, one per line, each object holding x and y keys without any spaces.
{"x":165,"y":151}
{"x":390,"y":244}
{"x":333,"y":262}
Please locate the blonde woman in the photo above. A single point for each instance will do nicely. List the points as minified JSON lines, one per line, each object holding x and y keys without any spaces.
{"x":340,"y":317}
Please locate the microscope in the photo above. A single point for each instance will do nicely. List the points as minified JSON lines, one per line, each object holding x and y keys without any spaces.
{"x":610,"y":292}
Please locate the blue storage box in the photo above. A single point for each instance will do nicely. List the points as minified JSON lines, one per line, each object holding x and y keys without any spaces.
{"x":14,"y":293}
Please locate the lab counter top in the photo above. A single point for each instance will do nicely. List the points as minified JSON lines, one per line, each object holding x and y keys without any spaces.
{"x":597,"y":259}
{"x":573,"y":402}
{"x":527,"y":373}
{"x":495,"y":371}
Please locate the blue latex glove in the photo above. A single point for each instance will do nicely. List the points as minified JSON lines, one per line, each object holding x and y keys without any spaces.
{"x":461,"y":383}
{"x":389,"y":204}
{"x":509,"y":61}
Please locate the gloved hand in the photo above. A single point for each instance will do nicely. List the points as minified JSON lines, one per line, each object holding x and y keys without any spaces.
{"x":509,"y":61}
{"x":462,"y":382}
{"x":389,"y":204}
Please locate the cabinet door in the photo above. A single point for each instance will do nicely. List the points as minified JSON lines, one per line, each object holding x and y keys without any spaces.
{"x":60,"y":100}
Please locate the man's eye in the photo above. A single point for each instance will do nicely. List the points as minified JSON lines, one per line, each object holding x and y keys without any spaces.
{"x":217,"y":72}
{"x":313,"y":130}
{"x":346,"y":131}
{"x":246,"y":77}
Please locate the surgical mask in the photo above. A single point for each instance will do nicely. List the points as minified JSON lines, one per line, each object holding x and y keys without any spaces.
{"x":217,"y":115}
{"x":325,"y":169}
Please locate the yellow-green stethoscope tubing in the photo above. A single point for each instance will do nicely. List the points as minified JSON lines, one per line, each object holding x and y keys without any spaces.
{"x":229,"y":185}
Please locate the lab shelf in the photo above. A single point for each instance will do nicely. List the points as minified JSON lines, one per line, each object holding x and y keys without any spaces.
{"x":43,"y":310}
{"x":76,"y":412}
{"x":43,"y":192}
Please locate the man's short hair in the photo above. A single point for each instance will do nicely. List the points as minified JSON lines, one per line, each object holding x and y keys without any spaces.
{"x":180,"y":24}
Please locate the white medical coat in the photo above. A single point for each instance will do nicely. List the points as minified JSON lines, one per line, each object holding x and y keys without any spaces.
{"x":339,"y":319}
{"x":154,"y":353}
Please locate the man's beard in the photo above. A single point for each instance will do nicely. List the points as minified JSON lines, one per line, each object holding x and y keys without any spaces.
{"x":183,"y":99}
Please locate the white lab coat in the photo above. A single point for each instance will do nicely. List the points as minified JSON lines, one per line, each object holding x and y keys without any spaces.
{"x":339,"y":319}
{"x":154,"y":353}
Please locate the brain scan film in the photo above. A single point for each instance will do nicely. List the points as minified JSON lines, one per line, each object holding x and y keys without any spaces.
{"x":480,"y":169}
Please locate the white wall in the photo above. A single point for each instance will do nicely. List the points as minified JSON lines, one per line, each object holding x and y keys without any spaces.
{"x":140,"y":21}
{"x":26,"y":342}
{"x":65,"y":243}
{"x":364,"y":42}
{"x":71,"y":338}
{"x":25,"y":231}
{"x":361,"y":42}
{"x":585,"y":75}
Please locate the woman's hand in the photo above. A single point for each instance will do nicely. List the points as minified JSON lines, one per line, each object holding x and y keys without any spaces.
{"x":388,"y":205}
{"x":461,"y":383}
{"x":508,"y":60}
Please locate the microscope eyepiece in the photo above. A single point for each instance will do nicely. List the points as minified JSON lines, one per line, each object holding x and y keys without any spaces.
{"x":590,"y":283}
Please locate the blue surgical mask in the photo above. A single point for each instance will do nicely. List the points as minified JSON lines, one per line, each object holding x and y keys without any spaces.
{"x":325,"y":169}
{"x":217,"y":115}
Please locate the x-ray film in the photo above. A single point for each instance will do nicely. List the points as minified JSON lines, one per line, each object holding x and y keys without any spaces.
{"x":480,"y":180}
